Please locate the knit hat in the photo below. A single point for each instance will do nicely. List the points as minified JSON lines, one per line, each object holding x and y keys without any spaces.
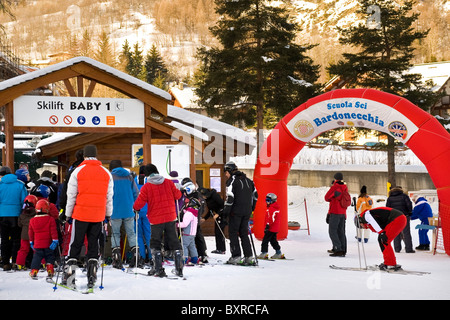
{"x":173,"y":174}
{"x":338,"y":176}
{"x":22,"y":175}
{"x":150,"y":169}
{"x":115,"y":164}
{"x":5,"y":170}
{"x":90,"y":151}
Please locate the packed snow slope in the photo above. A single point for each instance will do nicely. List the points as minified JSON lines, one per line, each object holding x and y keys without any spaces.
{"x":308,"y":276}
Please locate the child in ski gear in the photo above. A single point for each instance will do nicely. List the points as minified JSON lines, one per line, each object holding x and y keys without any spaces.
{"x":160,"y":195}
{"x":12,"y":196}
{"x":388,"y":223}
{"x":422,"y":211}
{"x":125,"y":193}
{"x":89,"y":202}
{"x":144,"y":230}
{"x":363,"y":203}
{"x":336,"y":216}
{"x":272,"y":222}
{"x":188,"y":231}
{"x":399,"y":200}
{"x":43,"y":237}
{"x":192,"y":198}
{"x":28,"y":212}
{"x":239,"y":205}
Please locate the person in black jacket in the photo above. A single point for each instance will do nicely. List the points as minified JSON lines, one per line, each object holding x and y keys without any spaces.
{"x":399,"y":200}
{"x":239,"y":205}
{"x":215,"y":204}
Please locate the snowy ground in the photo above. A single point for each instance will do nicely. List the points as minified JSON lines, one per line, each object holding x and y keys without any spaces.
{"x":308,"y":276}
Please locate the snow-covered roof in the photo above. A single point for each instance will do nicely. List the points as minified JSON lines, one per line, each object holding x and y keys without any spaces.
{"x":56,"y":67}
{"x":439,"y":72}
{"x":186,"y":97}
{"x":214,"y":126}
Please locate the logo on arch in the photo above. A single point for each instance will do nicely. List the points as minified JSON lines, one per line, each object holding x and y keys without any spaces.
{"x":398,"y":130}
{"x":303,"y":129}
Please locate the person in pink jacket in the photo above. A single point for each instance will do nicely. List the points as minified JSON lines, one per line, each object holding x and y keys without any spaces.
{"x":188,"y":231}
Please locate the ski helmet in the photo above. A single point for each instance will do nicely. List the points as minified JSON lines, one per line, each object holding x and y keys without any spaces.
{"x":230,"y":166}
{"x":271,"y":198}
{"x":43,"y":206}
{"x":31,"y":200}
{"x":42,"y":191}
{"x":189,"y":187}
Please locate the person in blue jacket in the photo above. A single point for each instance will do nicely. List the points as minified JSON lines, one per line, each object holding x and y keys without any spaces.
{"x":422,"y":211}
{"x":12,"y":196}
{"x":125,"y":193}
{"x":143,"y":225}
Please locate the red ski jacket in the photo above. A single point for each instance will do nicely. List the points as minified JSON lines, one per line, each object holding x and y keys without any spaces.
{"x":273,"y":217}
{"x":42,"y":231}
{"x":335,"y":205}
{"x":160,"y":195}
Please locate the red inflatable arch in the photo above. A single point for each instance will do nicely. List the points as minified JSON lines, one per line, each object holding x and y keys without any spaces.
{"x":367,"y":108}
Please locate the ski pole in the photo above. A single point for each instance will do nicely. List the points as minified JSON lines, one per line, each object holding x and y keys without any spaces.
{"x":218,"y":226}
{"x":105,"y":225}
{"x":59,"y":269}
{"x":137,"y":248}
{"x":253,"y":244}
{"x":357,"y":230}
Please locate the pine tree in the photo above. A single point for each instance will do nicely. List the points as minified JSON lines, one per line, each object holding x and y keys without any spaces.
{"x":155,"y":69}
{"x":385,"y":50}
{"x":134,"y":59}
{"x":258,"y":67}
{"x":104,"y":52}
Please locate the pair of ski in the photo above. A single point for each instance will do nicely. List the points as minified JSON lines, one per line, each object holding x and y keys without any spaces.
{"x":376,"y":268}
{"x":169,"y":277}
{"x":275,"y":259}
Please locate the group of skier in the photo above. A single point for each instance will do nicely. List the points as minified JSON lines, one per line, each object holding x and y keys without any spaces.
{"x":57,"y":221}
{"x":390,"y":222}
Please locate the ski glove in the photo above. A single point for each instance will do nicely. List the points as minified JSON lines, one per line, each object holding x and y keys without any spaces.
{"x":53,"y":244}
{"x":382,"y":238}
{"x":32,"y":245}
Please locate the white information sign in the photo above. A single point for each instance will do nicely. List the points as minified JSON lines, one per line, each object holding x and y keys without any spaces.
{"x":350,"y":112}
{"x":43,"y":111}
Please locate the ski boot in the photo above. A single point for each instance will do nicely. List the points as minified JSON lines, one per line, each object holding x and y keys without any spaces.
{"x":249,"y":261}
{"x":92,"y":267}
{"x":178,"y":263}
{"x":117,"y":258}
{"x":34,"y":273}
{"x":234,"y":260}
{"x":384,"y":267}
{"x":278,"y":255}
{"x":50,"y":271}
{"x":263,"y":255}
{"x":157,"y":270}
{"x":68,"y":278}
{"x":134,"y":254}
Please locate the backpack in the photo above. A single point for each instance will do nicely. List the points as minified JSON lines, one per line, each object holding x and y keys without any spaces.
{"x":345,"y":200}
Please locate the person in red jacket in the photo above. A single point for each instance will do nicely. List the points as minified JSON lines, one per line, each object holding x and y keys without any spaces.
{"x":272,"y":228}
{"x":388,"y":223}
{"x":160,"y":195}
{"x":43,"y":237}
{"x":336,"y":216}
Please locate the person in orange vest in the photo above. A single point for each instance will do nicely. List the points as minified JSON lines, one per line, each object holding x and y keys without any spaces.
{"x":89,"y":203}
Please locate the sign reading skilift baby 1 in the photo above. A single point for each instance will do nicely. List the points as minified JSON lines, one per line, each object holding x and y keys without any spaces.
{"x":90,"y":112}
{"x":350,"y":112}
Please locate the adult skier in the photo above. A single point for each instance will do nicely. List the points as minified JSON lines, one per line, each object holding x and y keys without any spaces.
{"x":388,"y":223}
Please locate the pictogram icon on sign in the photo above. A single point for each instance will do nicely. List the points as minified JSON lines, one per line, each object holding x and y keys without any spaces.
{"x":53,"y":119}
{"x":96,"y":120}
{"x":67,"y":120}
{"x":81,"y":120}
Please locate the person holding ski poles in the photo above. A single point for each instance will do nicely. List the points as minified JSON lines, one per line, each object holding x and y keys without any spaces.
{"x":388,"y":223}
{"x":160,"y":195}
{"x":215,"y":203}
{"x":89,"y":201}
{"x":239,"y":205}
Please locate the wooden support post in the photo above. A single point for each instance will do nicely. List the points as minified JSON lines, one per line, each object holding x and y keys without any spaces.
{"x":147,"y":137}
{"x":9,"y":135}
